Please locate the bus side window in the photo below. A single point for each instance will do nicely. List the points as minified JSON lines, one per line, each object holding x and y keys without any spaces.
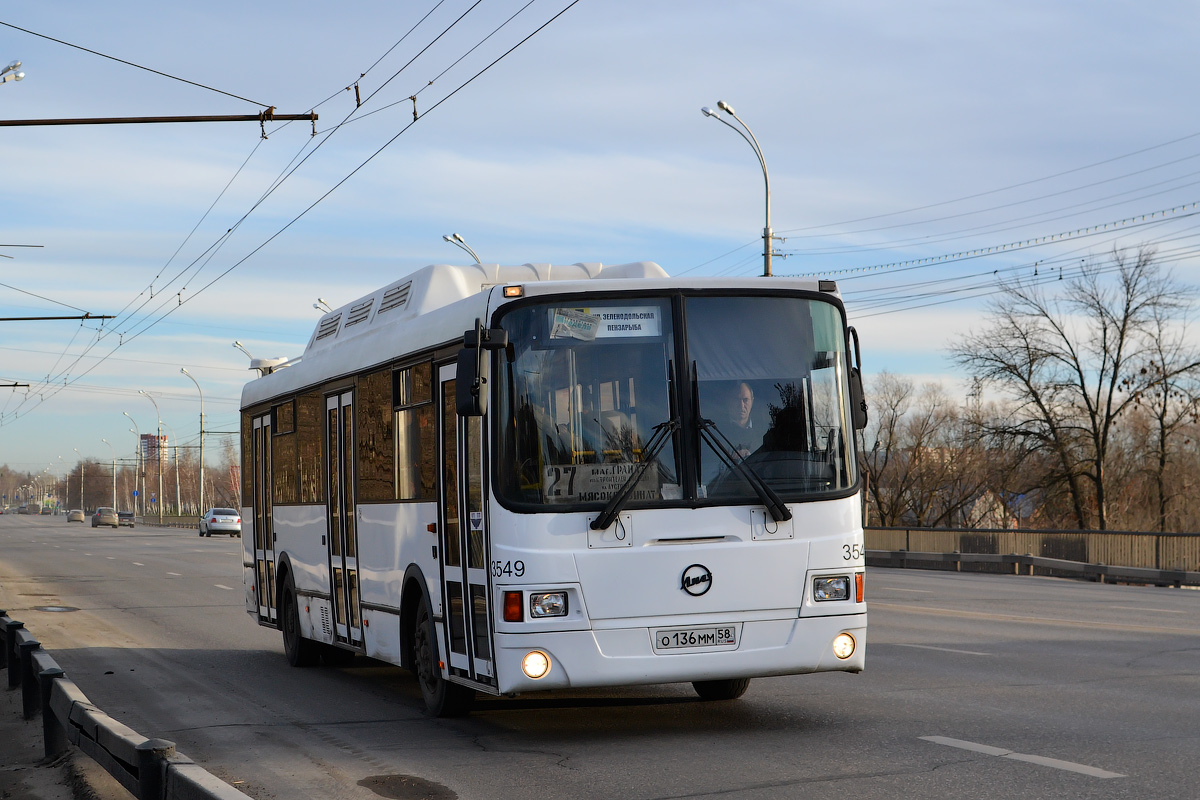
{"x":416,"y":434}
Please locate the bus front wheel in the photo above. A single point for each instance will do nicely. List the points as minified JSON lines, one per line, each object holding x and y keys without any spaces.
{"x":727,"y":689}
{"x":300,"y":652}
{"x":442,"y":698}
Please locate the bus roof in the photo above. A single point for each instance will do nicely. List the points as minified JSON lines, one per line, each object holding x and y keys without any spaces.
{"x":364,"y":331}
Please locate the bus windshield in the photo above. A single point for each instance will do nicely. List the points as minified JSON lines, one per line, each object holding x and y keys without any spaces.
{"x":751,"y":390}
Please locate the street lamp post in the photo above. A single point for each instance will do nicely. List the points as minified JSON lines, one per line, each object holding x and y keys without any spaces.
{"x":139,"y":466}
{"x":184,"y":371}
{"x":114,"y":471}
{"x":768,"y":236}
{"x":81,"y":463}
{"x":157,"y":452}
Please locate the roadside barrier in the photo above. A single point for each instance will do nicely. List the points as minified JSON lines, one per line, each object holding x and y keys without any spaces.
{"x":1013,"y":562}
{"x":151,"y":769}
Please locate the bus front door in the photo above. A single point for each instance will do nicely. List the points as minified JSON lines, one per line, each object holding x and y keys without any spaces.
{"x":467,"y":623}
{"x":264,"y":534}
{"x":343,"y":530}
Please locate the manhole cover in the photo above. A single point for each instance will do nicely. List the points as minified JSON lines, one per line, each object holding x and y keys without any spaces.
{"x":55,"y":608}
{"x":406,"y":787}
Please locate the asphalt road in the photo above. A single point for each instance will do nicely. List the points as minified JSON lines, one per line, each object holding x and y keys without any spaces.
{"x":976,"y":686}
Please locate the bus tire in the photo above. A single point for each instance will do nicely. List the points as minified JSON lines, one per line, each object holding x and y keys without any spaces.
{"x":726,"y":689}
{"x":300,"y":652}
{"x":442,"y":698}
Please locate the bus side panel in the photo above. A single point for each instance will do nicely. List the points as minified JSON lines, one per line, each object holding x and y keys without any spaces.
{"x":390,"y":538}
{"x":300,"y":533}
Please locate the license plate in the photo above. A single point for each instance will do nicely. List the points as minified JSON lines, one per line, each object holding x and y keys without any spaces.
{"x":684,"y":638}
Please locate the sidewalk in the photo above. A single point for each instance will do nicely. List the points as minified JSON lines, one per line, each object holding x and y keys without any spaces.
{"x":24,"y":772}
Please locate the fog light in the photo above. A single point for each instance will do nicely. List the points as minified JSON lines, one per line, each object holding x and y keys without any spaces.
{"x":536,"y":664}
{"x":843,"y":645}
{"x":548,"y":604}
{"x":831,"y":588}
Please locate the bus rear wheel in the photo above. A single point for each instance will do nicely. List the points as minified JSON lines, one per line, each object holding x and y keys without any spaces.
{"x":726,"y":689}
{"x":300,"y":652}
{"x":442,"y":698}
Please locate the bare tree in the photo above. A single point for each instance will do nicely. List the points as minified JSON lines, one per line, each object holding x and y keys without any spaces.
{"x":1064,"y":362}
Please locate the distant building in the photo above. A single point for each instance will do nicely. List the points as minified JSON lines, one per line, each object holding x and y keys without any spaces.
{"x":150,"y":453}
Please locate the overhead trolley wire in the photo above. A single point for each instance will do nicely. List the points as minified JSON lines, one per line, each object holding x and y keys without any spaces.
{"x":182,"y":301}
{"x":131,"y":64}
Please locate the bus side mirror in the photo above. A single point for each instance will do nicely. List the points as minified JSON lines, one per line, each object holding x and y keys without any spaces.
{"x":858,"y":398}
{"x":471,"y":387}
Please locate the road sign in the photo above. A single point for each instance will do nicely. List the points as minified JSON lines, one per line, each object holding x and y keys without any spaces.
{"x":135,"y":492}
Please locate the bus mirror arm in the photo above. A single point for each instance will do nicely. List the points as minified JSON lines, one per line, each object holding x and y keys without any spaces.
{"x":858,"y":398}
{"x":471,"y":386}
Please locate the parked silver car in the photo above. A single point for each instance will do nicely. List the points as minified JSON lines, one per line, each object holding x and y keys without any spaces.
{"x":221,"y":520}
{"x":105,"y":516}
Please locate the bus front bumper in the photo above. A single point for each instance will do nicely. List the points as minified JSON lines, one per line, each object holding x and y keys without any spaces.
{"x":627,"y":656}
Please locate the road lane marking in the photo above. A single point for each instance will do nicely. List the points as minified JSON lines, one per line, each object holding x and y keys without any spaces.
{"x":943,"y":649}
{"x":1155,"y":610}
{"x":138,"y":564}
{"x":898,"y":589}
{"x":223,"y":586}
{"x":1067,"y":623}
{"x":176,"y":574}
{"x":1069,"y":766}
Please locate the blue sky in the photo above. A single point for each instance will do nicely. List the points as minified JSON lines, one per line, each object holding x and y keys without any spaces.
{"x":894,"y":133}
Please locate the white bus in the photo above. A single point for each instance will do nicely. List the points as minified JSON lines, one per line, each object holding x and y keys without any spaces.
{"x":517,"y":478}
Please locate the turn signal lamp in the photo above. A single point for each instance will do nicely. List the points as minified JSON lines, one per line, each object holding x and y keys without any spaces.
{"x":859,"y":593}
{"x":535,"y":664}
{"x":514,"y":291}
{"x":513,"y":611}
{"x":843,"y":645}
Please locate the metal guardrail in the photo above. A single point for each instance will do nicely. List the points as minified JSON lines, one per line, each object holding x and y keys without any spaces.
{"x":151,"y":769}
{"x":905,"y":559}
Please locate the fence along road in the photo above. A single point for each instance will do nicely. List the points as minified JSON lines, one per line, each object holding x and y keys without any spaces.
{"x":976,"y":685}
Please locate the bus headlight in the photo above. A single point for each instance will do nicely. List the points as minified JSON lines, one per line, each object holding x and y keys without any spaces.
{"x":836,"y":588}
{"x":843,"y":645}
{"x":536,"y":664}
{"x":547,"y":604}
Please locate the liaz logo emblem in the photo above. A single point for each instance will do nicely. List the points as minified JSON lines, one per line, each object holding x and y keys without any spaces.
{"x":697,"y":579}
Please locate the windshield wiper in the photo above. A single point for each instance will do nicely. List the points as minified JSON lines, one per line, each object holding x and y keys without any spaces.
{"x":724,"y":448}
{"x":662,"y":434}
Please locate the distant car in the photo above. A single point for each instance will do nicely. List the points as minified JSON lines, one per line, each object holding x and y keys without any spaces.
{"x":75,"y":515}
{"x":125,"y":518}
{"x":105,"y":516}
{"x":221,"y":520}
{"x":47,"y":510}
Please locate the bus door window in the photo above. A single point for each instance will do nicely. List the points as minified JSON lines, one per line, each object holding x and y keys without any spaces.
{"x":343,"y":543}
{"x":464,"y":540}
{"x":264,"y":548}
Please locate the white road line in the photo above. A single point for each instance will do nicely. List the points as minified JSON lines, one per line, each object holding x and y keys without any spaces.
{"x":898,"y":589}
{"x":1069,"y":766}
{"x":176,"y":574}
{"x":138,"y":564}
{"x":1155,"y":610}
{"x":110,"y":558}
{"x":222,"y":586}
{"x":943,"y":649}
